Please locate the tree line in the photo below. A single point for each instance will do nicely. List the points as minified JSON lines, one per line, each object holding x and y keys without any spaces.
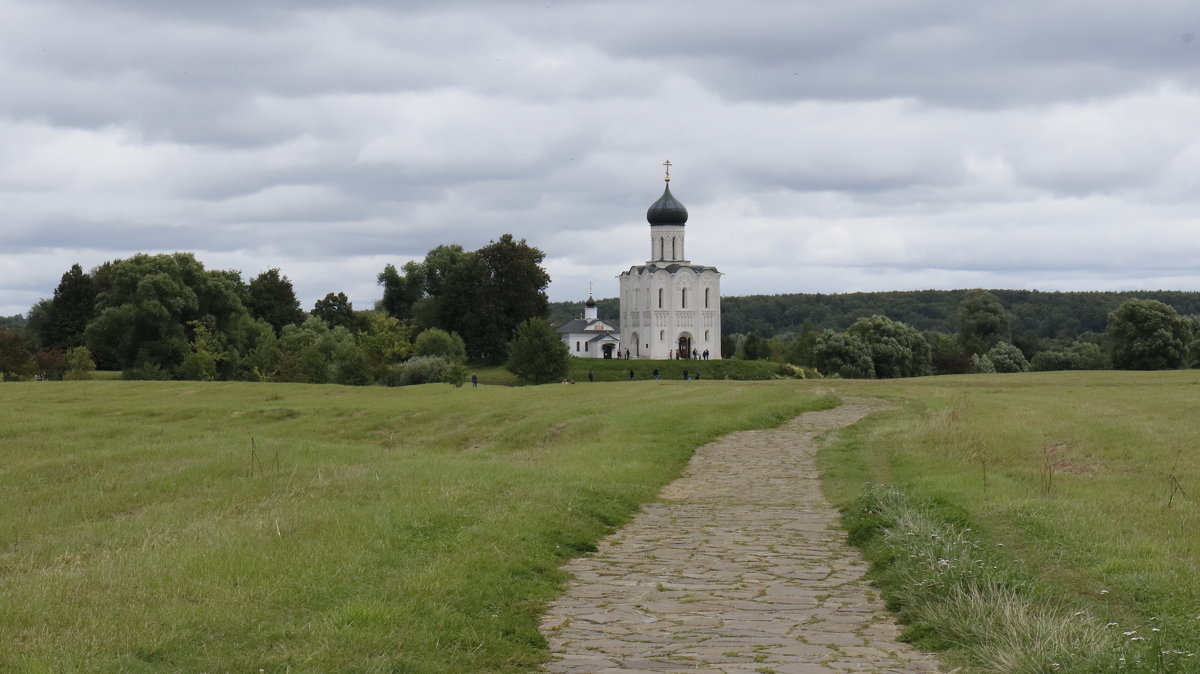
{"x":168,"y":317}
{"x":901,"y":334}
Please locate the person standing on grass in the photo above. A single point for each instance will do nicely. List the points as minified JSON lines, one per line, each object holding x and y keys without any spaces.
{"x":590,"y":376}
{"x":685,"y":375}
{"x":631,"y":375}
{"x":655,"y":373}
{"x":474,"y":380}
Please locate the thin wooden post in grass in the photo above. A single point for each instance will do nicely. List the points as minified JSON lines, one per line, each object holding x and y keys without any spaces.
{"x":254,"y":458}
{"x":1176,"y":488}
{"x":1048,"y":466}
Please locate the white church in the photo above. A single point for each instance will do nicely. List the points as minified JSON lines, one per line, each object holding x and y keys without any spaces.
{"x":670,"y":308}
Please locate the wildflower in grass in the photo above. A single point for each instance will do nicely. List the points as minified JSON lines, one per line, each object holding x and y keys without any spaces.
{"x":1130,"y":633}
{"x":1111,"y":625}
{"x":1103,"y":591}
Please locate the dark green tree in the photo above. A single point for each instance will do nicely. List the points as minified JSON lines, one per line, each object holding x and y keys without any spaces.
{"x":427,"y":281}
{"x":755,"y":348}
{"x":728,"y":346}
{"x":400,"y":293}
{"x":511,"y":285}
{"x":536,"y":354}
{"x":16,"y":357}
{"x":1078,"y":356}
{"x":800,"y":351}
{"x":481,"y":295}
{"x":844,"y":355}
{"x":1147,"y":335}
{"x":897,"y":349}
{"x":273,"y":299}
{"x":946,"y":353}
{"x":335,"y":310}
{"x":145,"y":305}
{"x":60,"y":322}
{"x":982,"y":321}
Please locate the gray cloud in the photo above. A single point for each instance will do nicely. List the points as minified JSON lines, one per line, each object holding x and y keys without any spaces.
{"x":866,"y":144}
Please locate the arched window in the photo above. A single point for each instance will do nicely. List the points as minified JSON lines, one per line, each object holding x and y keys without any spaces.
{"x":683,"y":299}
{"x":662,"y":248}
{"x":662,"y":334}
{"x":576,"y":346}
{"x":706,"y":299}
{"x":673,"y":256}
{"x":660,"y":295}
{"x":706,"y":335}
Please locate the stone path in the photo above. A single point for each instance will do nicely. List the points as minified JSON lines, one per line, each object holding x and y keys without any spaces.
{"x":737,"y":569}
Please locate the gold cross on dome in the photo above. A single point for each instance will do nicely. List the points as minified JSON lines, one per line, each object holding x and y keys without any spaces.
{"x":667,"y":163}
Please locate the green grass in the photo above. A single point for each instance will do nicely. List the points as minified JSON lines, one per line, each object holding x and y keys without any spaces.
{"x":149,"y":526}
{"x":1076,"y":475}
{"x":174,"y":526}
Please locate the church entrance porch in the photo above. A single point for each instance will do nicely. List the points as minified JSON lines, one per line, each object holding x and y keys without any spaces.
{"x":685,"y":346}
{"x":608,"y":350}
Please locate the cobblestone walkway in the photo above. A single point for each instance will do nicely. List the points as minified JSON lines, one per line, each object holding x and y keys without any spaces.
{"x":737,"y":569}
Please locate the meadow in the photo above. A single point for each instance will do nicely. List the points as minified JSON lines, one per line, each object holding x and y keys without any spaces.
{"x":172,"y":526}
{"x":176,"y":526}
{"x":1072,"y":498}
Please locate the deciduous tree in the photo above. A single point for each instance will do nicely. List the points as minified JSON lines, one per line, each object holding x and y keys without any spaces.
{"x":145,"y":303}
{"x":1147,"y":335}
{"x":982,"y":320}
{"x":844,"y":355}
{"x":896,"y":349}
{"x":536,"y":354}
{"x":273,"y":299}
{"x":336,"y":309}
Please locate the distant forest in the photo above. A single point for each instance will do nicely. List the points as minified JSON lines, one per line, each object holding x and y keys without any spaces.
{"x":1034,"y":314}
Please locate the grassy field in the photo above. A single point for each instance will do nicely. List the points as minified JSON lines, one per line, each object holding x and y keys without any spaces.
{"x":153,"y":526}
{"x":171,"y":526}
{"x":1086,"y":485}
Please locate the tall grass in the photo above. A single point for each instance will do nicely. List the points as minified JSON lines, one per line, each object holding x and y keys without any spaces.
{"x":1085,"y":480}
{"x":159,"y":526}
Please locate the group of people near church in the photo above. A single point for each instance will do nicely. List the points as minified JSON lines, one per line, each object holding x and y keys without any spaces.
{"x":682,"y":355}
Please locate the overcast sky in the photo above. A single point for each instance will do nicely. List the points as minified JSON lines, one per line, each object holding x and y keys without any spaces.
{"x":818,"y":146}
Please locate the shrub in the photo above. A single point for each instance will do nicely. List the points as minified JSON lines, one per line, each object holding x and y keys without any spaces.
{"x":1007,"y":358}
{"x":438,"y":342}
{"x":147,"y":371}
{"x":423,"y":370}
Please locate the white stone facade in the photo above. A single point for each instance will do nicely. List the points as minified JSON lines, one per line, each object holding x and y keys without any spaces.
{"x":669,"y":306}
{"x":591,"y":337}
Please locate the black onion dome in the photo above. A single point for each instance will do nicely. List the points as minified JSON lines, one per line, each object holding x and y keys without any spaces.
{"x":667,"y":210}
{"x":591,"y":303}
